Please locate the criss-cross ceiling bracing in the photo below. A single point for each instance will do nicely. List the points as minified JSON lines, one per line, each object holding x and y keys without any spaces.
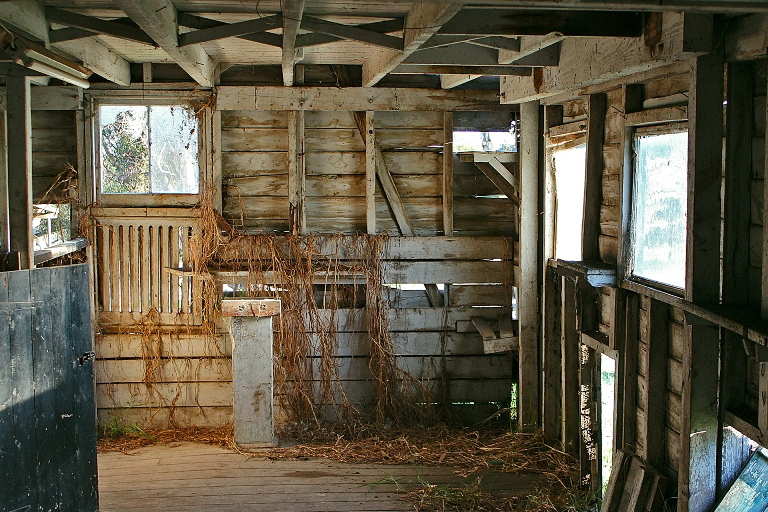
{"x":460,"y":43}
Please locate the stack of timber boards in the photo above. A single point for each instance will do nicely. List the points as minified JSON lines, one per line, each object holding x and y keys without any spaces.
{"x":634,"y":486}
{"x":255,"y":175}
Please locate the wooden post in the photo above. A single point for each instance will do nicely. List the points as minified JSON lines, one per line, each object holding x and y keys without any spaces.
{"x":632,"y":101}
{"x":448,"y":173}
{"x":697,"y":478}
{"x":370,"y":173}
{"x":654,"y":430}
{"x":762,"y":403}
{"x":296,"y":179}
{"x":216,"y":171}
{"x":590,"y":242}
{"x":629,"y":389}
{"x":529,"y":287}
{"x":4,"y":238}
{"x":19,"y":136}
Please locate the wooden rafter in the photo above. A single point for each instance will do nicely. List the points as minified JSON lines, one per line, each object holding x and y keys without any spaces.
{"x":69,"y":34}
{"x":99,"y":26}
{"x":422,"y":21}
{"x":442,"y":69}
{"x":351,"y":32}
{"x":451,"y":81}
{"x":158,"y":19}
{"x":292,"y":13}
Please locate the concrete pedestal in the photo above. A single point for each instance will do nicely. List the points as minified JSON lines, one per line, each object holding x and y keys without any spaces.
{"x":252,"y":370}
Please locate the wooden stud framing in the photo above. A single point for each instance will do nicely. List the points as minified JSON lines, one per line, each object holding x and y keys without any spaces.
{"x":762,"y":403}
{"x":654,"y":429}
{"x":697,"y":476}
{"x":370,"y":172}
{"x":296,"y":174}
{"x":570,"y":367}
{"x":629,"y":389}
{"x":552,"y":356}
{"x":632,"y":101}
{"x":4,"y":238}
{"x":448,"y":173}
{"x":217,"y":170}
{"x":19,"y":136}
{"x":529,"y":268}
{"x":590,"y":242}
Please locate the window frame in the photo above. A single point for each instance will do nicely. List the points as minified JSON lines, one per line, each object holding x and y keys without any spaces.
{"x":661,"y":128}
{"x":147,"y":199}
{"x":551,"y":150}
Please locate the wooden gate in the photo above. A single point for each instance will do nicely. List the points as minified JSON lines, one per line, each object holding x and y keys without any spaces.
{"x":47,"y":409}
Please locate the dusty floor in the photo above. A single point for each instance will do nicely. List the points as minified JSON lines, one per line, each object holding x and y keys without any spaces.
{"x":196,"y":477}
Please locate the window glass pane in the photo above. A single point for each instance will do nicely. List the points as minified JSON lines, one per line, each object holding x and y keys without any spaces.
{"x":173,"y":150}
{"x":124,"y":149}
{"x":570,"y":168}
{"x":659,"y":208}
{"x":498,"y":142}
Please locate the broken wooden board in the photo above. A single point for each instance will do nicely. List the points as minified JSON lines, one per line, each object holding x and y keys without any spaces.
{"x":492,"y":344}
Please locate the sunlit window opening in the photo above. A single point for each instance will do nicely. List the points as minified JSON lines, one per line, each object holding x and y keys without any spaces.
{"x":487,"y":142}
{"x":51,"y":224}
{"x":607,"y":409}
{"x":148,"y":150}
{"x":570,"y":167}
{"x":659,"y":207}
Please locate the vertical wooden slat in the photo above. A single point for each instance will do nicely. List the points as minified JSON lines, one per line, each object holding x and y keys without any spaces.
{"x":632,"y":101}
{"x":762,"y":403}
{"x":629,"y":393}
{"x":114,"y":266}
{"x":8,"y":449}
{"x":174,"y":254}
{"x":296,"y":174}
{"x":216,"y":162}
{"x":370,"y":173}
{"x":165,"y":263}
{"x":552,"y":357}
{"x":570,"y":368}
{"x":529,"y":267}
{"x":655,"y":432}
{"x":4,"y":239}
{"x":154,"y":265}
{"x":125,"y":269}
{"x":185,"y":281}
{"x":587,"y":442}
{"x":697,"y":477}
{"x":448,"y":173}
{"x":145,"y":269}
{"x":616,"y":342}
{"x":590,"y":241}
{"x":135,"y":258}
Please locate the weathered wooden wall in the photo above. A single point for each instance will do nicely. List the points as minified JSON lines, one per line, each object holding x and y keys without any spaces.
{"x":54,"y":145}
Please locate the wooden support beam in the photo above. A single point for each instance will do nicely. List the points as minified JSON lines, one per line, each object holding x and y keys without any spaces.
{"x":683,"y":37}
{"x":4,"y":232}
{"x":448,"y":173}
{"x":762,"y":403}
{"x":746,"y":38}
{"x":422,"y":21}
{"x":552,"y":357}
{"x":434,"y":296}
{"x":569,"y":351}
{"x":529,"y":45}
{"x":220,"y":31}
{"x":351,"y":32}
{"x":529,"y":267}
{"x":699,"y":430}
{"x":653,"y":431}
{"x":292,"y":13}
{"x":296,"y":175}
{"x":158,"y":18}
{"x":459,"y":54}
{"x":368,"y":133}
{"x":451,"y":81}
{"x":590,"y":241}
{"x":504,"y":180}
{"x":106,"y":27}
{"x":19,"y":136}
{"x":447,"y":69}
{"x":738,"y":181}
{"x":69,"y":34}
{"x":609,"y":23}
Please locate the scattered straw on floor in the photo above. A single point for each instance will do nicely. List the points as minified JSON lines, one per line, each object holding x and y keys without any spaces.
{"x":464,"y":450}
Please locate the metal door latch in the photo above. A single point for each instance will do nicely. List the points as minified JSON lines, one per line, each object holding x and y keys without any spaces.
{"x":85,"y":357}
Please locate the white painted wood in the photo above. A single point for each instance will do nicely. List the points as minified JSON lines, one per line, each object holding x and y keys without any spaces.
{"x":158,"y":19}
{"x":292,"y":13}
{"x":529,"y":267}
{"x":451,"y":81}
{"x":19,"y":157}
{"x":611,"y":58}
{"x":352,"y":99}
{"x":422,"y":21}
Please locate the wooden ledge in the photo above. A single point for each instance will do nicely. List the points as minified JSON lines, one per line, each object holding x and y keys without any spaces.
{"x":250,"y":307}
{"x":597,"y":273}
{"x":59,"y":250}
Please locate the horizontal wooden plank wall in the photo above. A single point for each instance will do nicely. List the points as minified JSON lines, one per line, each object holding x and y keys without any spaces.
{"x":54,"y":146}
{"x":255,"y":173}
{"x":187,"y":377}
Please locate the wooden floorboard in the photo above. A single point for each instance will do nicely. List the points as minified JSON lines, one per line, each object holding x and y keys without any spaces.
{"x":195,"y":478}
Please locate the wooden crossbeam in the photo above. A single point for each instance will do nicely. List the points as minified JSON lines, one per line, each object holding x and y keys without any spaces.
{"x":422,"y":21}
{"x":529,"y":45}
{"x":521,"y":22}
{"x":292,"y":13}
{"x":432,"y":69}
{"x":200,"y":23}
{"x":97,"y":25}
{"x":231,"y":30}
{"x":158,"y":18}
{"x":459,"y":54}
{"x":69,"y":34}
{"x":351,"y":32}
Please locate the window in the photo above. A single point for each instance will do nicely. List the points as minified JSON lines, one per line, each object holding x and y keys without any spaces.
{"x":148,"y":150}
{"x":485,"y":142}
{"x":659,"y":207}
{"x":569,"y":166}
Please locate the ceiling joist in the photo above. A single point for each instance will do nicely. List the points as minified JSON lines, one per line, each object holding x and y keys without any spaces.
{"x":437,"y":69}
{"x":158,"y":19}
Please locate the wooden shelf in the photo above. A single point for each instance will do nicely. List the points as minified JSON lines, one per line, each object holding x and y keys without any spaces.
{"x":597,"y":273}
{"x":59,"y":250}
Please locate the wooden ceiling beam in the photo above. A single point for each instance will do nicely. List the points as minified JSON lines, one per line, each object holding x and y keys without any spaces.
{"x":105,"y":27}
{"x":220,"y":31}
{"x":292,"y":13}
{"x":422,"y":21}
{"x":451,"y":81}
{"x":522,"y":22}
{"x":29,"y":18}
{"x":351,"y":32}
{"x":701,"y":6}
{"x":437,"y":69}
{"x":158,"y":18}
{"x":69,"y":34}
